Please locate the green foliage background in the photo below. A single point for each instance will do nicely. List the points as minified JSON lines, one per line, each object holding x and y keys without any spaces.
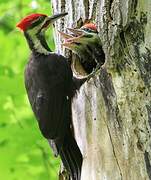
{"x":24,"y":153}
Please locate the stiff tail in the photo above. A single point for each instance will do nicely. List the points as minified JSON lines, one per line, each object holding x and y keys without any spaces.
{"x":71,"y":156}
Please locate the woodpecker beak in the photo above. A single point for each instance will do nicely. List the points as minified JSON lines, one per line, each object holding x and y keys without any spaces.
{"x":51,"y":19}
{"x":55,"y":17}
{"x":69,"y":39}
{"x":64,"y":35}
{"x":76,"y":32}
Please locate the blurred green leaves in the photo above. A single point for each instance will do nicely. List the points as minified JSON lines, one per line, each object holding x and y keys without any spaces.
{"x":24,"y":153}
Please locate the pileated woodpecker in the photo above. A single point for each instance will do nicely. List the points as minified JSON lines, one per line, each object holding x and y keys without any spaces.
{"x":50,"y":88}
{"x":86,"y":43}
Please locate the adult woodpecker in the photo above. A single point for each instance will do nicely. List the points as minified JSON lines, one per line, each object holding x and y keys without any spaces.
{"x":86,"y":43}
{"x":50,"y":88}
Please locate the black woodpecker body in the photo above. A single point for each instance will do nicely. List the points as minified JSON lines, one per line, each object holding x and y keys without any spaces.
{"x":86,"y":43}
{"x":50,"y":88}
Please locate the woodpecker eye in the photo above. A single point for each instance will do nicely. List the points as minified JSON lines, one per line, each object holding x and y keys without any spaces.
{"x":89,"y":30}
{"x":85,"y":29}
{"x":37,"y":22}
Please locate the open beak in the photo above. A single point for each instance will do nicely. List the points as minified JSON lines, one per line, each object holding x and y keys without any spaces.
{"x":76,"y":35}
{"x":66,"y":38}
{"x":76,"y":32}
{"x":65,"y":35}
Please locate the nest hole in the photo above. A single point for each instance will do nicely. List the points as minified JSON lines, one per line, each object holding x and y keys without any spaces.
{"x":88,"y":63}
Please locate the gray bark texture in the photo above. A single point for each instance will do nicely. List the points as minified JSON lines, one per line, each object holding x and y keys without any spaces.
{"x":112,"y":112}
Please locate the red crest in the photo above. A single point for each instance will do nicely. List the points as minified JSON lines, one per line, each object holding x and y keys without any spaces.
{"x":91,"y":26}
{"x":27,"y":21}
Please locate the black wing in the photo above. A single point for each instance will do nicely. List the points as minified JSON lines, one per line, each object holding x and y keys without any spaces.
{"x":48,"y":83}
{"x":49,"y":87}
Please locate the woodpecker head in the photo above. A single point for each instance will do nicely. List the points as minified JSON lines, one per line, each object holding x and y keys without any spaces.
{"x":34,"y":27}
{"x":86,"y":35}
{"x":36,"y":23}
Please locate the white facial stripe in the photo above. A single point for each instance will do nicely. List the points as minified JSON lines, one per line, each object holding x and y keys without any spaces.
{"x":39,"y":47}
{"x":37,"y":44}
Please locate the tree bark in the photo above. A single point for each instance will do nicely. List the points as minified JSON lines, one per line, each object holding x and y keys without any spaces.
{"x":112,"y":112}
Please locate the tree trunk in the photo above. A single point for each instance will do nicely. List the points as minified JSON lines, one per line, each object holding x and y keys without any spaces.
{"x":112,"y":112}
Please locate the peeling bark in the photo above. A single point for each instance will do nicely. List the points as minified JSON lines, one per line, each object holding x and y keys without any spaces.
{"x":112,"y":112}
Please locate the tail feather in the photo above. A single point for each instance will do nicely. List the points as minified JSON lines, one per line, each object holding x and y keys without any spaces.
{"x":71,"y":156}
{"x":77,"y":160}
{"x":68,"y":164}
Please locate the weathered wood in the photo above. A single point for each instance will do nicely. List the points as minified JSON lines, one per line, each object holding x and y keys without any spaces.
{"x":112,"y":112}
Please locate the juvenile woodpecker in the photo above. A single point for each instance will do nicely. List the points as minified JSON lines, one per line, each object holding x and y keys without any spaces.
{"x":50,"y":88}
{"x":86,"y":43}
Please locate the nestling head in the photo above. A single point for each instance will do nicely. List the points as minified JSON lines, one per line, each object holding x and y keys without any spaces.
{"x":87,"y":34}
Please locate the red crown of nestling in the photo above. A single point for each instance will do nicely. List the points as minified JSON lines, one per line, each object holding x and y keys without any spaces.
{"x":91,"y":26}
{"x":27,"y":21}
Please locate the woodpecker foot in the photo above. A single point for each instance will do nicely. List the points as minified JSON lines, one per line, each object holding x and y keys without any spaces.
{"x":94,"y":72}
